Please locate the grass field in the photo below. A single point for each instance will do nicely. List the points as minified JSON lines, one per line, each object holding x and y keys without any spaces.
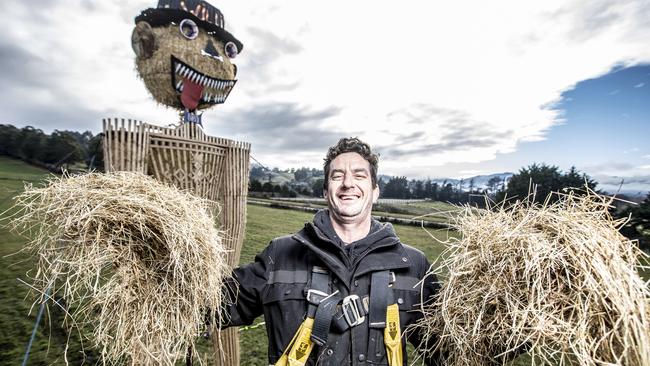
{"x":16,"y":321}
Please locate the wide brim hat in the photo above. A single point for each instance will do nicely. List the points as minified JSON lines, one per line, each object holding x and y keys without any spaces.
{"x":164,"y":16}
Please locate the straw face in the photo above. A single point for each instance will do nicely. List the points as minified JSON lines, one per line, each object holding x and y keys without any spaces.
{"x":164,"y":83}
{"x":557,"y":280}
{"x":139,"y":260}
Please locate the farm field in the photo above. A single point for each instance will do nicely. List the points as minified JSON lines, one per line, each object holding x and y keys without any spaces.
{"x":263,"y":224}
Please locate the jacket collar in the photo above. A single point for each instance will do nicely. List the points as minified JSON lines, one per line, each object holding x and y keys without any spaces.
{"x":380,"y":250}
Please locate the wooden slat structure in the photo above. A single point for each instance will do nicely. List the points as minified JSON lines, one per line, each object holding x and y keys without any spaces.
{"x":211,"y":167}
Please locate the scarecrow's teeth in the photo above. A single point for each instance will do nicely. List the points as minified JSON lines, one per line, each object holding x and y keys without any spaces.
{"x":213,"y":83}
{"x":178,"y":67}
{"x":179,"y":84}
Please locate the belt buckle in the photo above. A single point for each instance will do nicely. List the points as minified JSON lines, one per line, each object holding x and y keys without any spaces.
{"x":315,"y":296}
{"x":351,"y":311}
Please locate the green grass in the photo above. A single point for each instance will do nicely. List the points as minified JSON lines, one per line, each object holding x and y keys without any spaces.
{"x":16,"y":320}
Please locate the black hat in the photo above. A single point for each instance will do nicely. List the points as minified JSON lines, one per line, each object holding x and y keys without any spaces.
{"x":203,"y":14}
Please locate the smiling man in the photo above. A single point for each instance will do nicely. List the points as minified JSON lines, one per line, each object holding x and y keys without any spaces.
{"x":342,"y":290}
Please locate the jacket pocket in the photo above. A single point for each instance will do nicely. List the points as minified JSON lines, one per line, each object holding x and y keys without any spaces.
{"x":285,"y":307}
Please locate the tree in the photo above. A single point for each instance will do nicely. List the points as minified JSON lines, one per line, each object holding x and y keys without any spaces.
{"x":31,"y":143}
{"x":301,"y":174}
{"x":493,"y":184}
{"x":419,"y":189}
{"x":573,"y":179}
{"x":255,"y":186}
{"x":446,"y":192}
{"x":61,"y":147}
{"x":95,"y":153}
{"x":638,"y":225}
{"x":543,"y":179}
{"x":9,"y":141}
{"x":397,"y":187}
{"x":267,"y":187}
{"x":317,"y":187}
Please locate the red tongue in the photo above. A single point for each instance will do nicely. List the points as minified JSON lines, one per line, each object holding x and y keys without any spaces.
{"x":191,"y":94}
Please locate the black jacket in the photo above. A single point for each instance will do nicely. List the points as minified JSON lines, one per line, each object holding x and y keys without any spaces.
{"x":276,"y":283}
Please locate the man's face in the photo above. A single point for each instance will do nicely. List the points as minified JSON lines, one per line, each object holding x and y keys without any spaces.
{"x":350,"y":194}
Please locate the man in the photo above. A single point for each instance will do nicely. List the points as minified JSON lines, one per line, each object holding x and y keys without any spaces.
{"x":339,"y":291}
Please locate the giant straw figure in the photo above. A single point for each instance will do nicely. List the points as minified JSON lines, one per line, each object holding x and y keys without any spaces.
{"x":184,"y":56}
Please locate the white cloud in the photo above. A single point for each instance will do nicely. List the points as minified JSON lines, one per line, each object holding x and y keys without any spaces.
{"x":379,"y":64}
{"x":639,"y":85}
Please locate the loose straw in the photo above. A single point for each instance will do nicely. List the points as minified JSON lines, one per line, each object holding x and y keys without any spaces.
{"x":557,"y":280}
{"x":137,"y":261}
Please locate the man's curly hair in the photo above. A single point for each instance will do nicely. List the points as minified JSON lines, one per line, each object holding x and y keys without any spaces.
{"x":351,"y":144}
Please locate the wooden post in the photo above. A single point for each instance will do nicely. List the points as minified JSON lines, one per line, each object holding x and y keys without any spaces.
{"x":233,"y":197}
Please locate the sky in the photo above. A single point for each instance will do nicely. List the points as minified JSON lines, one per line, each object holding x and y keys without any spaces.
{"x":439,"y":89}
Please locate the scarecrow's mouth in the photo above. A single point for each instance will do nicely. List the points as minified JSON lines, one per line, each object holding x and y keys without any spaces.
{"x":197,"y":88}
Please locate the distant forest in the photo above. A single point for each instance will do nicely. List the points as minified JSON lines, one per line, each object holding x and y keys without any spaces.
{"x":56,"y":151}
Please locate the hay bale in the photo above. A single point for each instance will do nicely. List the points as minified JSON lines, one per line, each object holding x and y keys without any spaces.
{"x":139,"y":261}
{"x":558,"y":280}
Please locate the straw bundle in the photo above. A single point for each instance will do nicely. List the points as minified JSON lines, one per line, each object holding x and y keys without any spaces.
{"x":136,"y":259}
{"x":557,"y":280}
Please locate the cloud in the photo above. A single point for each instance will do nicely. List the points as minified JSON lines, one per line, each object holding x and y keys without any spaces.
{"x":428,"y":83}
{"x":639,"y":85}
{"x":274,"y":45}
{"x":266,"y":52}
{"x":282,"y":132}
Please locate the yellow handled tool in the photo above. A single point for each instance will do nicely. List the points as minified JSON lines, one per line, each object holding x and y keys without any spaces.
{"x":392,"y":336}
{"x":300,"y":347}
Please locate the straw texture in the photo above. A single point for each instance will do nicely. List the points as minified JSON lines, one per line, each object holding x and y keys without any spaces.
{"x":556,"y":280}
{"x":156,"y":71}
{"x":138,"y":260}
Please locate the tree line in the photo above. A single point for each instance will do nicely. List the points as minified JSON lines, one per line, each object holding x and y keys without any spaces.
{"x":60,"y":149}
{"x":65,"y":149}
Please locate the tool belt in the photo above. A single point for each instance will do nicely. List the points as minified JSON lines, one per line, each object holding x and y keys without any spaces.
{"x":323,"y":312}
